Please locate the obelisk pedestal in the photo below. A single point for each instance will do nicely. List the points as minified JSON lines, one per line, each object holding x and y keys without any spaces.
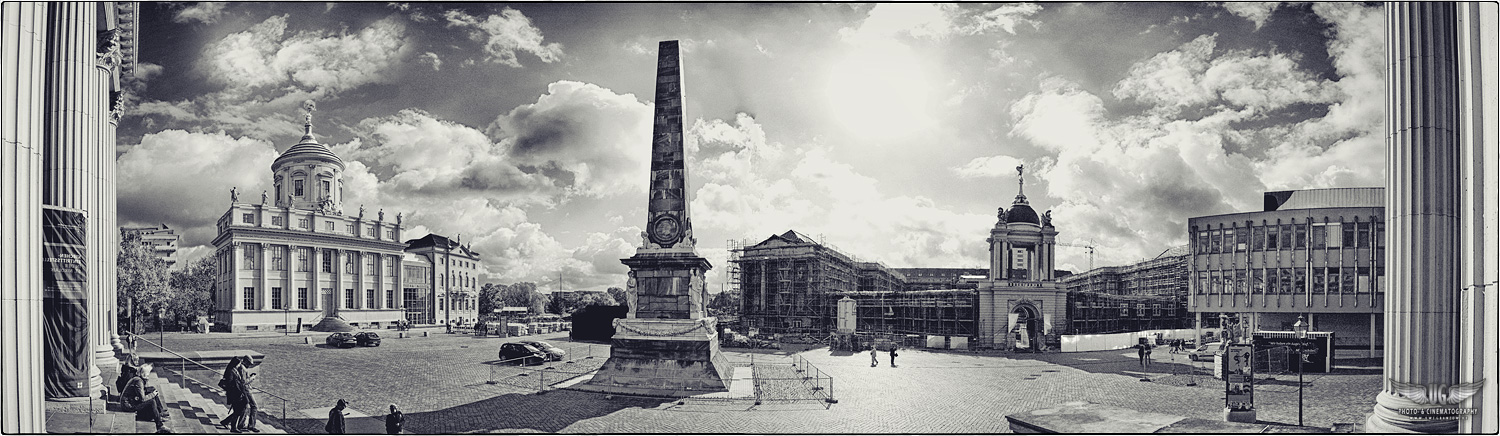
{"x":667,"y":345}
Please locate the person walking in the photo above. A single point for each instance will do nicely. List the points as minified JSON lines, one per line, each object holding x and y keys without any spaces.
{"x":893,"y":356}
{"x":232,"y":386}
{"x":1142,"y":351}
{"x":874,"y":357}
{"x":336,"y":418}
{"x":145,"y":401}
{"x":394,"y":420}
{"x":247,"y":397}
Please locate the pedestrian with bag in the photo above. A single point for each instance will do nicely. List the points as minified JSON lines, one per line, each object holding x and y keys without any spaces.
{"x":893,"y":356}
{"x":394,"y":420}
{"x":231,"y":385}
{"x":145,"y":401}
{"x":335,"y":423}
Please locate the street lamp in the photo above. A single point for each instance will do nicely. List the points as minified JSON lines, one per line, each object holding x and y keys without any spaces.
{"x":1301,"y":329}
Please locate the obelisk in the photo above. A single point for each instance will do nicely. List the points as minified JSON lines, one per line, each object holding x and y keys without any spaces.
{"x":667,"y":344}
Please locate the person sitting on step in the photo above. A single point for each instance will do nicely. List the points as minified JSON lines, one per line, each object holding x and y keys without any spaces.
{"x":144,"y":400}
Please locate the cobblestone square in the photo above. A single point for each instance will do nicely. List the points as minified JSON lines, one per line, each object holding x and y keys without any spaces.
{"x":441,"y":382}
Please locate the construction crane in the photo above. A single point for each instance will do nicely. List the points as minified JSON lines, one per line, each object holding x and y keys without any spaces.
{"x":1089,"y":246}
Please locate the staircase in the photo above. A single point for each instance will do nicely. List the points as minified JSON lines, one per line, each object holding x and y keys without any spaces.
{"x":195,"y":408}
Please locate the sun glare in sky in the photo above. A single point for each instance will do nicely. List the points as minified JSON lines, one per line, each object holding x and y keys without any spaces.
{"x":879,"y":91}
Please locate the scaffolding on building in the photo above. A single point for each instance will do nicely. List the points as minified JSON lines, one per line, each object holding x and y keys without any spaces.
{"x":947,"y":312}
{"x":786,"y":288}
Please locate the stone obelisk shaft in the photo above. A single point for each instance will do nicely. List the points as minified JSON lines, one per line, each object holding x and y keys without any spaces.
{"x":667,"y":209}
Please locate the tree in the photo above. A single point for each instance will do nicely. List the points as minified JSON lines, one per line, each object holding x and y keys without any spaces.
{"x":489,"y":298}
{"x":617,"y":294}
{"x":192,"y":292}
{"x":524,"y":294}
{"x":142,"y":283}
{"x":724,"y":303}
{"x":561,"y":303}
{"x":595,"y":299}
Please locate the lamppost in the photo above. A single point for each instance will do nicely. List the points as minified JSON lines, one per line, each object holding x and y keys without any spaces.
{"x":161,"y":328}
{"x":1301,"y":329}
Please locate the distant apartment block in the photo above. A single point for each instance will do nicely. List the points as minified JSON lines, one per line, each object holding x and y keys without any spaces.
{"x":163,"y":242}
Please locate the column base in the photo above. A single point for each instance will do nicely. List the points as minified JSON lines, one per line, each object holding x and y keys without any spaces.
{"x":1246,"y":416}
{"x":663,"y":357}
{"x":104,"y":356}
{"x":96,"y":382}
{"x":1387,"y":417}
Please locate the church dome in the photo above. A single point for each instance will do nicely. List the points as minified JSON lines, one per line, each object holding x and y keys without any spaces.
{"x":307,"y":149}
{"x":1022,"y":213}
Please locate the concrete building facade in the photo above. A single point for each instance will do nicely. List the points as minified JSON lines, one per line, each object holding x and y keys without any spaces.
{"x":162,"y":240}
{"x":301,"y":260}
{"x":1315,"y":253}
{"x":453,"y":278}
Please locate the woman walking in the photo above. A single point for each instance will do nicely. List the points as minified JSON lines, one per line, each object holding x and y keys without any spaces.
{"x":232,"y":387}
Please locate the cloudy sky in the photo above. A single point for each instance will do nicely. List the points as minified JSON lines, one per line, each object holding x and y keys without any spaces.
{"x":890,"y":130}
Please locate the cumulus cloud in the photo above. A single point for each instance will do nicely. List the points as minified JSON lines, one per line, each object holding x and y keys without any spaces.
{"x":988,"y":166}
{"x":184,"y":178}
{"x":938,"y":21}
{"x":431,"y":58}
{"x":754,"y":188}
{"x":596,"y":139}
{"x":1256,"y":12}
{"x":262,"y":55}
{"x":1205,"y":143}
{"x":203,"y":12}
{"x":505,"y":34}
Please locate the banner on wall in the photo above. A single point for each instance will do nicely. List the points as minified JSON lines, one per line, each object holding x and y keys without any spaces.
{"x":1047,"y":323}
{"x":65,"y":314}
{"x":1011,"y":319}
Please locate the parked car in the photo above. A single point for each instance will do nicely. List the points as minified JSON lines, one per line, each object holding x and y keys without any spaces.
{"x":1207,"y":351}
{"x":367,"y":339}
{"x":521,"y":354}
{"x":341,"y":340}
{"x":553,"y":353}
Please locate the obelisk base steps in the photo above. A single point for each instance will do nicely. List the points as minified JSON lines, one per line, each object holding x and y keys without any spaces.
{"x":1387,"y":418}
{"x":663,"y":357}
{"x":332,"y":323}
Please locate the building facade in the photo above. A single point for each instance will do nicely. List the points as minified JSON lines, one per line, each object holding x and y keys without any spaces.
{"x":875,"y":277}
{"x":298,"y":259}
{"x":1315,"y":253}
{"x":924,"y":279}
{"x":416,"y":289}
{"x":453,"y":278}
{"x":162,"y":240}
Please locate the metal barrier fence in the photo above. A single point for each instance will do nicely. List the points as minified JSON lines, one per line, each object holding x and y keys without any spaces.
{"x":187,"y":368}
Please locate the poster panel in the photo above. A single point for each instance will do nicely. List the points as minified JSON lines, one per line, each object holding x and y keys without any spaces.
{"x":65,"y":315}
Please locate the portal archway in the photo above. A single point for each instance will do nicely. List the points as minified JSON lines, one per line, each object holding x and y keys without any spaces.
{"x":1028,"y":328}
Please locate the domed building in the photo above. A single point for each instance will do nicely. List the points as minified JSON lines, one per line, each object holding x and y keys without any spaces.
{"x":1021,"y":304}
{"x":296,"y":260}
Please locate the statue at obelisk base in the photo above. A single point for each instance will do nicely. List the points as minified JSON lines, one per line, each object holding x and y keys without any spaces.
{"x":667,"y":345}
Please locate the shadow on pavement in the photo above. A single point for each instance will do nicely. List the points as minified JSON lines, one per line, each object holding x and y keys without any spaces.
{"x":550,"y":412}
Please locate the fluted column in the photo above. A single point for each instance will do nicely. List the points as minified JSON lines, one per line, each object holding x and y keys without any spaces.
{"x":70,"y":155}
{"x":1479,"y":78}
{"x":22,"y":102}
{"x":263,"y":291}
{"x":101,"y":222}
{"x":1422,"y":249}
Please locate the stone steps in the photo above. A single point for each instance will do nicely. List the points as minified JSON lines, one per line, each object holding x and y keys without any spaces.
{"x":197,"y":407}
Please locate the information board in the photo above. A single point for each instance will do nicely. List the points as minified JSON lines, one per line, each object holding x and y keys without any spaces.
{"x":1239,"y":377}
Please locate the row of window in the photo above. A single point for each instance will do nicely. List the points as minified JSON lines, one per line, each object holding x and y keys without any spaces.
{"x":250,"y":298}
{"x":1080,"y":311}
{"x":461,"y":303}
{"x":1293,"y":280}
{"x":252,"y":256}
{"x":328,"y":226}
{"x":1365,"y":234}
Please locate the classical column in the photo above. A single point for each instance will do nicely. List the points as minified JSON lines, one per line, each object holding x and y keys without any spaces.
{"x":1422,"y":196}
{"x":1478,"y":71}
{"x":263,"y":292}
{"x":101,"y":224}
{"x":71,"y":147}
{"x":314,"y":267}
{"x":23,"y":64}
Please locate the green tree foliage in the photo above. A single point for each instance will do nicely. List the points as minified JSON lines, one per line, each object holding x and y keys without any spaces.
{"x":142,"y":284}
{"x":489,"y":298}
{"x":192,"y":292}
{"x":563,"y":304}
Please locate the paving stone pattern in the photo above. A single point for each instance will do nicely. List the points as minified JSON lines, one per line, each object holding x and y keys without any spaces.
{"x":440,"y":382}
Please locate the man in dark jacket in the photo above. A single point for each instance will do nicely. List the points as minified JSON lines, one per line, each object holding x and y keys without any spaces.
{"x":336,"y":418}
{"x":145,"y":401}
{"x":394,"y":420}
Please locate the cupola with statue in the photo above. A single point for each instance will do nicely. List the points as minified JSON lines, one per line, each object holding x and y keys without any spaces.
{"x":1022,"y":242}
{"x":308,"y":175}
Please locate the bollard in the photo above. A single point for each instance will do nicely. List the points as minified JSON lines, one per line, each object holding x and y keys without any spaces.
{"x":424,"y":334}
{"x":307,"y":339}
{"x":400,"y":335}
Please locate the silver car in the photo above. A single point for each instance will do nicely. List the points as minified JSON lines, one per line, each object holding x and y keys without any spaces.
{"x":1206,"y":351}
